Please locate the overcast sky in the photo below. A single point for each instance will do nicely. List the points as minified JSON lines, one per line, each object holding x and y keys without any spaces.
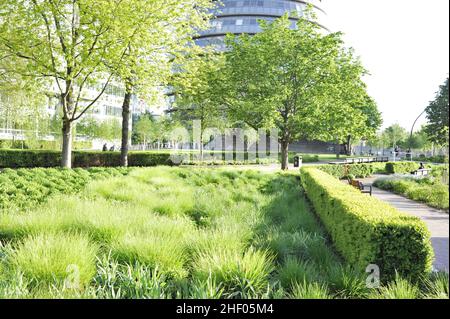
{"x":405,"y":46}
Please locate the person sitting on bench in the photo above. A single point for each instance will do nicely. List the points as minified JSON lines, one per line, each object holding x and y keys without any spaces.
{"x":421,"y":168}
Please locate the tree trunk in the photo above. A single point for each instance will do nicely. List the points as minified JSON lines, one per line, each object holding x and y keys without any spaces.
{"x":125,"y":127}
{"x":349,"y":145}
{"x":338,"y":149}
{"x":201,"y":147}
{"x":284,"y":155}
{"x":66,"y":159}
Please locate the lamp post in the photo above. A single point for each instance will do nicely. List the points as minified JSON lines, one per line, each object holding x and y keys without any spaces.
{"x":411,"y":134}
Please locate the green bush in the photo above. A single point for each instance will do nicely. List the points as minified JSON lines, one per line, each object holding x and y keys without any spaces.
{"x":37,"y":158}
{"x":427,"y":190}
{"x":306,"y":158}
{"x":42,"y":145}
{"x":354,"y":170}
{"x":440,"y":159}
{"x":366,"y":230}
{"x":401,"y":167}
{"x":26,"y":158}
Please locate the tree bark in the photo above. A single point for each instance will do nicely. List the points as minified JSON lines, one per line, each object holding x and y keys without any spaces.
{"x":201,"y":147}
{"x":338,"y":149}
{"x":66,"y":158}
{"x":125,"y":127}
{"x":284,"y":155}
{"x":349,"y":145}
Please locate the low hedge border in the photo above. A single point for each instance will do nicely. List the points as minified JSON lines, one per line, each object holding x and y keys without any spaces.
{"x":403,"y":167}
{"x":354,"y":170}
{"x":306,"y":158}
{"x":85,"y":159}
{"x":37,"y":158}
{"x":366,"y":230}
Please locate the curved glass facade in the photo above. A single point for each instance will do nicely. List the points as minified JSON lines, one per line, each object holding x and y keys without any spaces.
{"x":241,"y":16}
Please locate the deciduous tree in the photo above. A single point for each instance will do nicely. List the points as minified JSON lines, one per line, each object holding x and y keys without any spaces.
{"x":66,"y":41}
{"x":302,"y":81}
{"x":157,"y":35}
{"x":438,"y":116}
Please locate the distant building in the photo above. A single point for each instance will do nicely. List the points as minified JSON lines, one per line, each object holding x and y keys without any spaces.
{"x":108,"y":107}
{"x":241,"y":16}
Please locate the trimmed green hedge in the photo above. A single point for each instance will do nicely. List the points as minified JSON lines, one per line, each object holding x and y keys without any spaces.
{"x":366,"y":230}
{"x":29,"y":159}
{"x":401,"y":167}
{"x":38,"y":158}
{"x":440,"y":159}
{"x":35,"y":158}
{"x":42,"y":145}
{"x":306,"y":158}
{"x":430,"y":191}
{"x":355,"y":170}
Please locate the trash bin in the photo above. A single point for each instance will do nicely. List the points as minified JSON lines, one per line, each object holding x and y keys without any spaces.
{"x":298,"y":161}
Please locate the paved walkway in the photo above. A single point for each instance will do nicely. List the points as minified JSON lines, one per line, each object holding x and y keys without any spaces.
{"x":436,"y":220}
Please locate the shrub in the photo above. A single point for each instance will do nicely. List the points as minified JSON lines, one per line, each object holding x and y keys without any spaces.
{"x":26,"y":158}
{"x":401,"y":167}
{"x":354,"y":170}
{"x":441,"y":159}
{"x":368,"y":231}
{"x":427,"y":190}
{"x":41,"y":158}
{"x":42,"y":145}
{"x":306,"y":158}
{"x":36,"y":158}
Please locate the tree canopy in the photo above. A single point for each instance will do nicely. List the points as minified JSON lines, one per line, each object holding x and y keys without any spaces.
{"x":82,"y":46}
{"x":438,"y":116}
{"x":302,"y":81}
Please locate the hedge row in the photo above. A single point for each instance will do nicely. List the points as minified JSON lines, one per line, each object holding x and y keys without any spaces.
{"x":37,"y":158}
{"x":368,"y":231}
{"x":306,"y":158}
{"x":29,"y":159}
{"x":354,"y":170}
{"x":401,"y":167}
{"x":440,"y":159}
{"x":42,"y":145}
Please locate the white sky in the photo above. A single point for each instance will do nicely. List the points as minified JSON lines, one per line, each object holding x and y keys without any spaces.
{"x":405,"y":46}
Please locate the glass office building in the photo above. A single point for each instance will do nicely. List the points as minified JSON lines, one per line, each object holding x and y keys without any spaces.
{"x":241,"y":16}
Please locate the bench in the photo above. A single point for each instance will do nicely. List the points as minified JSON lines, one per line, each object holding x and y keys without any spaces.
{"x":362,"y":160}
{"x":422,"y":172}
{"x":350,"y":160}
{"x":365,"y":189}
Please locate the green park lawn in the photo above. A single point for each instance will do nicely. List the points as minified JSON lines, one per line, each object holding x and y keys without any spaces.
{"x":173,"y":233}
